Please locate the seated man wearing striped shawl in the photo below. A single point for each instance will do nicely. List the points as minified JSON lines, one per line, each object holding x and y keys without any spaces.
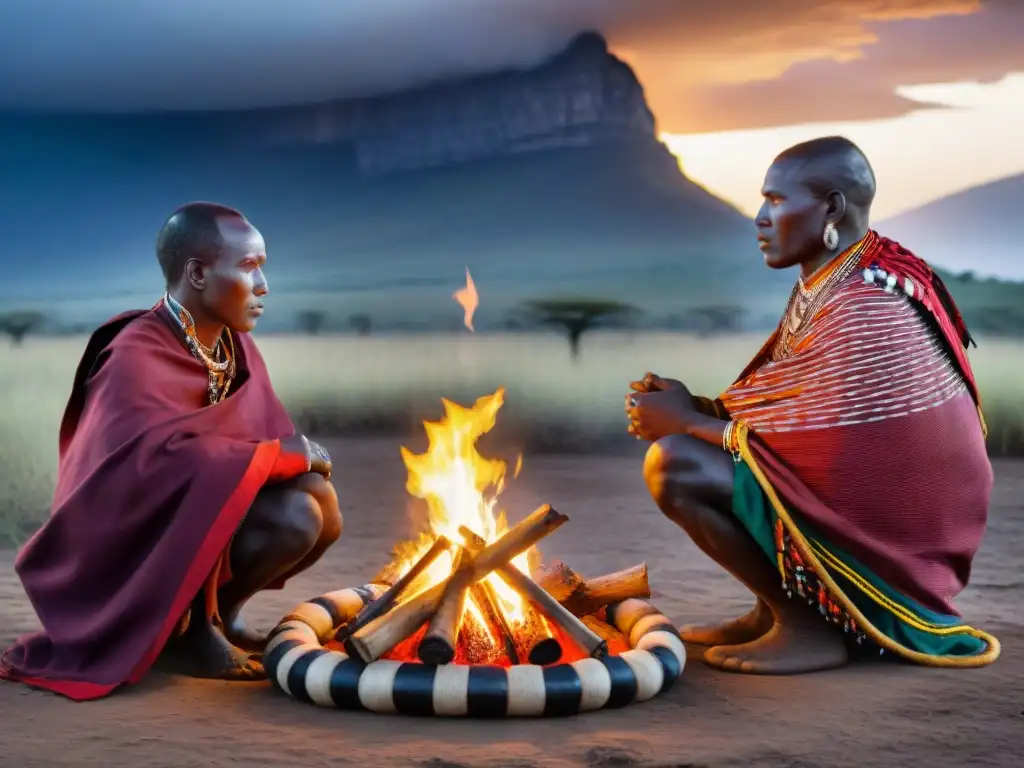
{"x":843,"y":477}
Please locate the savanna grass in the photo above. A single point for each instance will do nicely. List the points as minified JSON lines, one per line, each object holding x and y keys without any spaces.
{"x":345,"y":385}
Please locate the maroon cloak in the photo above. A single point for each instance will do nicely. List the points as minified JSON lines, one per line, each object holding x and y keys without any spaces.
{"x":152,"y":484}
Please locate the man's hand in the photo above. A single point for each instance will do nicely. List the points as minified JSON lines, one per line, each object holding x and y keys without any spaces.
{"x":318,"y":458}
{"x":658,"y":407}
{"x":652,"y":382}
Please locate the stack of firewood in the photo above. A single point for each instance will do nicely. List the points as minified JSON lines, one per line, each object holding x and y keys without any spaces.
{"x":556,"y":597}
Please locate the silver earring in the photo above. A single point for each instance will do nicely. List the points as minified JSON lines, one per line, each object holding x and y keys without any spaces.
{"x":831,"y":236}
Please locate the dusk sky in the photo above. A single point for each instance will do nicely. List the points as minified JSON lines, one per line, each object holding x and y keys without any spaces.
{"x":932,"y":89}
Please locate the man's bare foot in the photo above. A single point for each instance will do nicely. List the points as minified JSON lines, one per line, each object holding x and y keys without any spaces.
{"x":202,"y":651}
{"x":791,"y":646}
{"x":746,"y":628}
{"x":239,"y":634}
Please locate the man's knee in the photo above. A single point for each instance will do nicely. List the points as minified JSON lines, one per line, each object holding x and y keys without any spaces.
{"x":668,"y":462}
{"x":298,"y":523}
{"x":680,"y":470}
{"x":326,"y":497}
{"x":314,"y":484}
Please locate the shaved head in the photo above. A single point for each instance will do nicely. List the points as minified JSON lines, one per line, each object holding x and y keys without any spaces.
{"x":833,"y":163}
{"x":191,"y":232}
{"x":820,"y":187}
{"x":213,"y":259}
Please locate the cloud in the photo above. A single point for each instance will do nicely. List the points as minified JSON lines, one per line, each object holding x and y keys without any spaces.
{"x":982,"y":47}
{"x":703,"y":64}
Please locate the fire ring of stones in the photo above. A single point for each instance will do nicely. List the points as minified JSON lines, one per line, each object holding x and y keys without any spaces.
{"x":298,"y":664}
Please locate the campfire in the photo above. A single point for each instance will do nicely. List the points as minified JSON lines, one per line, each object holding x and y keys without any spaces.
{"x":466,"y":620}
{"x":470,"y":589}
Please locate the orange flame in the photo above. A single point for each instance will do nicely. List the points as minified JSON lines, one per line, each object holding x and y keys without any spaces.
{"x":468,"y":299}
{"x":461,"y":488}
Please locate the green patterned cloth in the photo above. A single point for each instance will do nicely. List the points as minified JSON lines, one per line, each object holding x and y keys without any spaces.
{"x":896,"y":616}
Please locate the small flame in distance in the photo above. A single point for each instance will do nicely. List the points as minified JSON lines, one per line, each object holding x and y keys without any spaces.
{"x":468,"y":299}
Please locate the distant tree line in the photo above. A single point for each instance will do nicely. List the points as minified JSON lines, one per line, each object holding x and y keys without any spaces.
{"x":18,"y":324}
{"x":995,"y":321}
{"x":571,"y":316}
{"x":315,"y":321}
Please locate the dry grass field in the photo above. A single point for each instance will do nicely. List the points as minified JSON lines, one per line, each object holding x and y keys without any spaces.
{"x":345,"y":385}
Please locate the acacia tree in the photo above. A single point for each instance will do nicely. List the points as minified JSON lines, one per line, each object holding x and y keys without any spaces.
{"x":17,"y":325}
{"x":576,"y":316}
{"x":311,"y":321}
{"x":726,"y":318}
{"x":361,"y":323}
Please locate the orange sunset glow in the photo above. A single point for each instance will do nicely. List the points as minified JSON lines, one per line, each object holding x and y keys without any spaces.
{"x":933,"y":91}
{"x":971,"y":138}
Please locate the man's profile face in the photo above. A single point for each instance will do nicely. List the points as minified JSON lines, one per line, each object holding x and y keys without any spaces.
{"x":791,"y":222}
{"x":234,"y":281}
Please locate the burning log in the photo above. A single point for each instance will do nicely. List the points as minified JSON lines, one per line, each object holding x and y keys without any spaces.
{"x":602,"y":629}
{"x":554,"y":610}
{"x":529,"y":641}
{"x":387,"y":601}
{"x":617,"y":642}
{"x":496,"y":625}
{"x":373,"y":640}
{"x":583,"y":597}
{"x":533,"y":639}
{"x":490,"y":606}
{"x":438,"y":644}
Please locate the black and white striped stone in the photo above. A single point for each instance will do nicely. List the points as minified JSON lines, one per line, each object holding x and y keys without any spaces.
{"x":297,"y":663}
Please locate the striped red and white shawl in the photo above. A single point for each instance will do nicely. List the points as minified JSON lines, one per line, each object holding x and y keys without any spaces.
{"x":870,"y":428}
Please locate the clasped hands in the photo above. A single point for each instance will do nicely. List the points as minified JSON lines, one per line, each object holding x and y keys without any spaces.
{"x":658,"y":407}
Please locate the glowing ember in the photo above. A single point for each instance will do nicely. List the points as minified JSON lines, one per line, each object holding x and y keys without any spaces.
{"x":468,"y":299}
{"x":461,"y":488}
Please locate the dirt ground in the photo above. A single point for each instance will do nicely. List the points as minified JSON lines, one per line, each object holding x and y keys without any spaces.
{"x":875,"y":714}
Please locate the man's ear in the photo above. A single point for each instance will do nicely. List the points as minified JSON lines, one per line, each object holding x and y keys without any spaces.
{"x":195,"y":273}
{"x":836,"y":206}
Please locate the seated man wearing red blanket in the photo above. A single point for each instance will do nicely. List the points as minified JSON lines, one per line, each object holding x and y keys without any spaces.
{"x":843,"y":477}
{"x":182,"y":486}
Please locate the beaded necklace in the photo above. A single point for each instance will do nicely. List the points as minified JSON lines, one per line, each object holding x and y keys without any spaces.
{"x":809,"y":296}
{"x":219,"y":361}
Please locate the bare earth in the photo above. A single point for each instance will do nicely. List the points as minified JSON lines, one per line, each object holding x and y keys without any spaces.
{"x":881,"y":714}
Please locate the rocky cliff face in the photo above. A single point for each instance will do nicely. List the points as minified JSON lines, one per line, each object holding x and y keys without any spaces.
{"x":582,"y":98}
{"x":557,"y":169}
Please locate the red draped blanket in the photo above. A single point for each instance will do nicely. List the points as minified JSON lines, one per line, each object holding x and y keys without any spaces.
{"x":152,"y":484}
